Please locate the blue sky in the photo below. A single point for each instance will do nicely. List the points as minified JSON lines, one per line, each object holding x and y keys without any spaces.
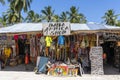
{"x":92,"y":9}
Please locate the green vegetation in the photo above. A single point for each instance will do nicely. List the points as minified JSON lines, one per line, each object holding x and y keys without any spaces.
{"x":13,"y":14}
{"x":33,"y":17}
{"x":2,"y":1}
{"x":75,"y":16}
{"x":111,"y":18}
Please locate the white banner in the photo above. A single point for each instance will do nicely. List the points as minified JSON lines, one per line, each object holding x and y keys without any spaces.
{"x":56,"y":28}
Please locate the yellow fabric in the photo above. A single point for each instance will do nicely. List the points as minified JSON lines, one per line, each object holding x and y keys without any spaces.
{"x":92,"y":44}
{"x":48,"y":41}
{"x":83,"y":43}
{"x":47,"y":51}
{"x":7,"y":52}
{"x":58,"y":54}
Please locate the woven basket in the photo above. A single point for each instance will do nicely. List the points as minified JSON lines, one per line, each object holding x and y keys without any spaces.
{"x":14,"y":63}
{"x":19,"y":61}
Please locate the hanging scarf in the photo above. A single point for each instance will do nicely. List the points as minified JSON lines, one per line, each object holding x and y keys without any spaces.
{"x":83,"y":43}
{"x":87,"y":41}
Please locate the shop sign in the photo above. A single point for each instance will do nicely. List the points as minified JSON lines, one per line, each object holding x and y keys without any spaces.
{"x":56,"y":28}
{"x":111,"y":37}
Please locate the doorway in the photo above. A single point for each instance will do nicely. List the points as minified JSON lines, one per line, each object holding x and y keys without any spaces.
{"x":108,"y":62}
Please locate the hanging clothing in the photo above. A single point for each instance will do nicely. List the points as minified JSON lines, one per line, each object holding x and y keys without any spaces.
{"x":61,"y":40}
{"x":79,"y":52}
{"x":7,"y":52}
{"x":17,"y":47}
{"x":42,"y":45}
{"x":15,"y":37}
{"x":32,"y":47}
{"x":83,"y":43}
{"x":47,"y":51}
{"x":48,"y":41}
{"x":14,"y":50}
{"x":42,"y":41}
{"x":58,"y":54}
{"x":86,"y":41}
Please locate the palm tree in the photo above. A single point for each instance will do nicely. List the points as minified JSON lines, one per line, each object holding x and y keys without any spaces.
{"x":56,"y":18}
{"x":75,"y":16}
{"x":20,"y":5}
{"x":63,"y":17}
{"x":48,"y":14}
{"x":11,"y":16}
{"x":3,"y":20}
{"x":118,"y":23}
{"x":38,"y":18}
{"x":82,"y":18}
{"x":110,"y":18}
{"x":2,"y":1}
{"x":33,"y":17}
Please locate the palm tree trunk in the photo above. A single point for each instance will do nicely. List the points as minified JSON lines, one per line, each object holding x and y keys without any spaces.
{"x":18,"y":21}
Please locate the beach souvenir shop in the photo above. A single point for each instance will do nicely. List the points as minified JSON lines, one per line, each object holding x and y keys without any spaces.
{"x":62,"y":51}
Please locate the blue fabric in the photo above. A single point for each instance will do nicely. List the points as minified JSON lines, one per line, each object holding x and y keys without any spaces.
{"x":61,"y":40}
{"x":43,"y":61}
{"x":42,"y":69}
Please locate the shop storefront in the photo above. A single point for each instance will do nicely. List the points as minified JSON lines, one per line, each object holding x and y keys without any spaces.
{"x":60,"y":50}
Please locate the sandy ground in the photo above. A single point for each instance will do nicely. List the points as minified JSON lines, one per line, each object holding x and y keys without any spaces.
{"x":16,"y":75}
{"x":19,"y":73}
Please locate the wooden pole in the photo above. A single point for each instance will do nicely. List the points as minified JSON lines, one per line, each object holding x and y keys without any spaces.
{"x":97,"y":41}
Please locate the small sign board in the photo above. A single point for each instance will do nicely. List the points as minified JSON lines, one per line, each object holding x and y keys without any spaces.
{"x":56,"y":28}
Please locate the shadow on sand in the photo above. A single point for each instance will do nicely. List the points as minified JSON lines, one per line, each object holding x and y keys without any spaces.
{"x":21,"y":67}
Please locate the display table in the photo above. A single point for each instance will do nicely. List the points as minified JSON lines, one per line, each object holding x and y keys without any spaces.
{"x":72,"y":70}
{"x":60,"y":70}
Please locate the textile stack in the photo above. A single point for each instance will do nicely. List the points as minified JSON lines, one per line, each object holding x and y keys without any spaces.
{"x":96,"y":60}
{"x":117,"y":56}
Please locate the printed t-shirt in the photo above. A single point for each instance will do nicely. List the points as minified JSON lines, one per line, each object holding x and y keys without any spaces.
{"x":61,"y":40}
{"x":48,"y":41}
{"x":7,"y":52}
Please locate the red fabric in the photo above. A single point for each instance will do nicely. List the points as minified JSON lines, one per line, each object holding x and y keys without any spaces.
{"x":15,"y":37}
{"x":74,"y":51}
{"x":39,"y":35}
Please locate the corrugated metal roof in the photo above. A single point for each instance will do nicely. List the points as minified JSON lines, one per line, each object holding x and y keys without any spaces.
{"x":32,"y":27}
{"x":76,"y":27}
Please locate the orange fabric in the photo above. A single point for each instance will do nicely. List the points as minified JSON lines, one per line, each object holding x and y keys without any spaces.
{"x":47,"y":51}
{"x":26,"y":59}
{"x":104,"y":55}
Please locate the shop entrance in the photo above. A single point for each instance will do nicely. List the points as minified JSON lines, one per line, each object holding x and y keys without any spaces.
{"x":21,"y":48}
{"x":109,"y":48}
{"x":17,"y":57}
